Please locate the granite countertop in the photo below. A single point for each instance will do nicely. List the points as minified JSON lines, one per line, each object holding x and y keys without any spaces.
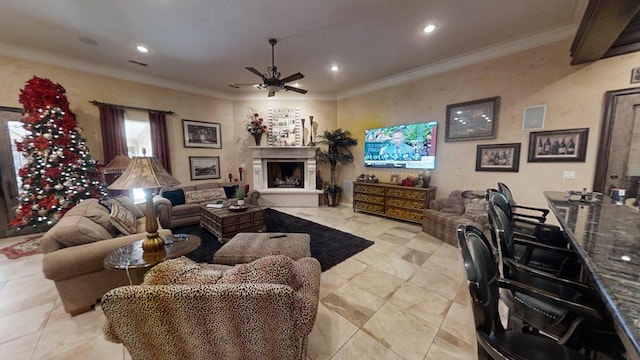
{"x":607,"y":237}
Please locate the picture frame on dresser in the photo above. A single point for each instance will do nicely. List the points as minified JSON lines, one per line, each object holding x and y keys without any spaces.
{"x":472,"y":120}
{"x":569,"y":145}
{"x":204,"y":167}
{"x":201,"y":134}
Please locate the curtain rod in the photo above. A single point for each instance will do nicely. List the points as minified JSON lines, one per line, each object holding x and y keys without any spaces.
{"x":96,"y":103}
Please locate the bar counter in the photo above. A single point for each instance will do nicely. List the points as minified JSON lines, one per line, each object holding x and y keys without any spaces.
{"x":607,"y":238}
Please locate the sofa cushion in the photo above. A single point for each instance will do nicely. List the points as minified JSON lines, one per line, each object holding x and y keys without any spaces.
{"x":93,"y":210}
{"x":449,"y":205}
{"x":167,"y":272}
{"x":274,"y":269}
{"x":77,"y":230}
{"x":198,"y":196}
{"x":230,"y":191}
{"x":123,"y":219}
{"x":175,"y":196}
{"x":476,"y":210}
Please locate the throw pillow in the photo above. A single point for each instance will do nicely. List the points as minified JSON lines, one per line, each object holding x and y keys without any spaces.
{"x":77,"y":230}
{"x":175,"y":196}
{"x":230,"y":191}
{"x":123,"y":219}
{"x":127,"y":203}
{"x":199,"y":196}
{"x":91,"y":209}
{"x":273,"y":269}
{"x":476,"y":211}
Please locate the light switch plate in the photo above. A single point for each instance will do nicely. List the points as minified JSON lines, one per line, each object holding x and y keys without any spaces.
{"x":567,"y":174}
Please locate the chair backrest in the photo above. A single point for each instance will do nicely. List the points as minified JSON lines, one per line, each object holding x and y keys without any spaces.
{"x":502,"y":230}
{"x":482,"y":274}
{"x":501,"y":200}
{"x":507,"y":193}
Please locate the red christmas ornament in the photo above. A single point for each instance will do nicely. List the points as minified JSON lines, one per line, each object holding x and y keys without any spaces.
{"x":41,"y":143}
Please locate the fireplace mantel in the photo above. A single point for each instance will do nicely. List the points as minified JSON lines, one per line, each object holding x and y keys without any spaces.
{"x":291,"y":197}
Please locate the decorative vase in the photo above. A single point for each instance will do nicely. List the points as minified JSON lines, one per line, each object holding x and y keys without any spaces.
{"x":257,"y":138}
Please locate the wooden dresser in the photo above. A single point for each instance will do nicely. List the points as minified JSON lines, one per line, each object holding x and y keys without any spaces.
{"x":398,"y":202}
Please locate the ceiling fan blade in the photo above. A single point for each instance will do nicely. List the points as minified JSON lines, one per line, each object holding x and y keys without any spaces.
{"x":255,"y":72}
{"x":271,"y":93}
{"x":234,"y":86}
{"x":301,"y":91}
{"x":296,"y":76}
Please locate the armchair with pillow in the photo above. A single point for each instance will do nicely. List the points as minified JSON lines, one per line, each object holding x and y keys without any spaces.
{"x":75,"y":247}
{"x":184,"y":310}
{"x":444,"y":215}
{"x":180,"y":205}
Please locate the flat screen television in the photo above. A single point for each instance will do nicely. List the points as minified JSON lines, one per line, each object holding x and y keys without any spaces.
{"x":410,"y":146}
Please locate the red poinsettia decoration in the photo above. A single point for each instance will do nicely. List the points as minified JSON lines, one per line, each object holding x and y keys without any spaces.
{"x":41,"y":143}
{"x":40,"y":93}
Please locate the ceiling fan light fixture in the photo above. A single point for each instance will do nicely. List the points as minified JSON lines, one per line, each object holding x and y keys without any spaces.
{"x":143,"y":49}
{"x":334,"y":68}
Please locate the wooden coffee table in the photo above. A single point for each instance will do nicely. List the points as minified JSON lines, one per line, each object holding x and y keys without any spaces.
{"x":225,"y":223}
{"x":132,"y":257}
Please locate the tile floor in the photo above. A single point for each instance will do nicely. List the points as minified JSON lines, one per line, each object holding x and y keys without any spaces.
{"x":402,"y":298}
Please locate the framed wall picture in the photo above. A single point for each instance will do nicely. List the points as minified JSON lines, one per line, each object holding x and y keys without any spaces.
{"x":558,"y":145}
{"x":201,"y":134}
{"x":472,"y":120}
{"x":498,"y":157}
{"x":204,"y":167}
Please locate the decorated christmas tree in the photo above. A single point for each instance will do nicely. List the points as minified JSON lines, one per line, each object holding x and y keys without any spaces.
{"x":59,"y":171}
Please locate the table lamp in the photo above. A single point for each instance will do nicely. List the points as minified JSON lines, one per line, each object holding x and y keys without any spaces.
{"x":148,"y":174}
{"x":117,"y":165}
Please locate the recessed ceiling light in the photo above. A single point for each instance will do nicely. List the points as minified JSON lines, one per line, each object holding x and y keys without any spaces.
{"x":143,"y":49}
{"x":335,"y":68}
{"x":429,"y":28}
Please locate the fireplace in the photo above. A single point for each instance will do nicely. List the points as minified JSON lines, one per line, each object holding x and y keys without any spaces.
{"x":285,"y":175}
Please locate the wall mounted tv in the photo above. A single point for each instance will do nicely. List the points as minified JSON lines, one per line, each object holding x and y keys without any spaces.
{"x":410,"y":146}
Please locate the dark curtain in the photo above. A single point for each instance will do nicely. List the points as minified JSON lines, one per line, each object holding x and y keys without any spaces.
{"x":114,"y":136}
{"x":159,"y":138}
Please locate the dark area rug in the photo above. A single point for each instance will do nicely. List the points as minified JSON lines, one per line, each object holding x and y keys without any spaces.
{"x":329,"y":246}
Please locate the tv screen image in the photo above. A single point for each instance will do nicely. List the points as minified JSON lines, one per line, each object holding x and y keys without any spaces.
{"x":410,"y":146}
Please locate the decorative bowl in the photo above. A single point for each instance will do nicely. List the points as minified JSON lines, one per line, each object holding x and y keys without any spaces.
{"x":237,"y":208}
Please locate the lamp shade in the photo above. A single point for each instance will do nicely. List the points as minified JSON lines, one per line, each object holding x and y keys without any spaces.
{"x":143,"y":172}
{"x":117,"y":165}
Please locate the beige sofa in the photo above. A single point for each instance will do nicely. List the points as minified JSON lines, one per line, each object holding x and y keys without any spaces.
{"x":175,"y":212}
{"x":74,"y":250}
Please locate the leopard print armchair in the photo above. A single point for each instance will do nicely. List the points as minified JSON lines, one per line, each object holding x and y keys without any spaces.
{"x":185,"y":310}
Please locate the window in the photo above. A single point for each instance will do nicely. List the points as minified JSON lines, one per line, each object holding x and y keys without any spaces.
{"x":138,"y":141}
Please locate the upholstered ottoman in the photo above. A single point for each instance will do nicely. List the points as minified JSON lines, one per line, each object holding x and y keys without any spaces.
{"x":246,"y":247}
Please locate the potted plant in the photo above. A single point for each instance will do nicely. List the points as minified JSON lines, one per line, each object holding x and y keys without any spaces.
{"x":337,"y":151}
{"x":240,"y":196}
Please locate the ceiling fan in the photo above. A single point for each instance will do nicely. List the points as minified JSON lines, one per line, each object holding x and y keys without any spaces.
{"x":271,"y":80}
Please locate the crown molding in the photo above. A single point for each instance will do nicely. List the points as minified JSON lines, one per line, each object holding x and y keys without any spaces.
{"x":75,"y":64}
{"x":485,"y":54}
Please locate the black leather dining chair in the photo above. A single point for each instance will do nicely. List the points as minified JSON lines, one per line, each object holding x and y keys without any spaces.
{"x":493,"y":339}
{"x":547,"y":233}
{"x":553,"y":270}
{"x":503,"y":188}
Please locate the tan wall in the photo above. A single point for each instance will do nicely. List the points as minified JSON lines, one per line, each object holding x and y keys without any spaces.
{"x":83,"y":87}
{"x":573,"y":95}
